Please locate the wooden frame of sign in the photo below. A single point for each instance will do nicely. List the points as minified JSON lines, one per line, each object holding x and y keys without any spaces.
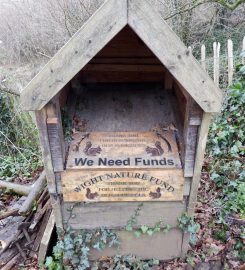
{"x":118,"y":157}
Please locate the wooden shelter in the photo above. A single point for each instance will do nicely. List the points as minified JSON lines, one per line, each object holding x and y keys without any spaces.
{"x":140,"y":106}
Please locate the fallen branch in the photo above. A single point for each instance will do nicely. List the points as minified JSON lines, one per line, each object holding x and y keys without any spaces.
{"x":17,"y":188}
{"x":12,"y":213}
{"x":36,"y":189}
{"x":11,"y":263}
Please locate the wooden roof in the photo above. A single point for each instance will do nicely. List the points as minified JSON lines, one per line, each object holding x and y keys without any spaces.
{"x":106,"y":23}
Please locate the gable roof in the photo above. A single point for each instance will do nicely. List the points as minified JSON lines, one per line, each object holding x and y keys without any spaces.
{"x":103,"y":25}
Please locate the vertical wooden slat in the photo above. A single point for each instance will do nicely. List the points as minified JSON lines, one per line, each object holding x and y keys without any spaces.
{"x":230,"y":61}
{"x":41,"y":120}
{"x":55,"y":135}
{"x":203,"y":56}
{"x":216,"y":52}
{"x":168,"y":81}
{"x":243,"y":49}
{"x":201,"y":145}
{"x":191,"y":126}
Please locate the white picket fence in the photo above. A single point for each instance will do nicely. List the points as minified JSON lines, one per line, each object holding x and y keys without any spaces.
{"x":227,"y":60}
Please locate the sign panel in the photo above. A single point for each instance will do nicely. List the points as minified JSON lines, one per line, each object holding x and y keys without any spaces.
{"x":117,"y":150}
{"x":122,"y":185}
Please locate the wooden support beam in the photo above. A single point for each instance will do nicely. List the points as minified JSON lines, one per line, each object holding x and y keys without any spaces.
{"x":55,"y":133}
{"x":41,"y":120}
{"x":124,"y":67}
{"x":201,"y":145}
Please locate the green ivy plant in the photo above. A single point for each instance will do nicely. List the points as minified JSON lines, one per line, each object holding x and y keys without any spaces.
{"x":73,"y":248}
{"x":127,"y":262}
{"x":144,"y":229}
{"x":187,"y":224}
{"x":226,"y":155}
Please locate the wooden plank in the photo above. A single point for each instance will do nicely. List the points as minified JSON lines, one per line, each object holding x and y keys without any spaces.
{"x":164,"y":43}
{"x":139,"y":107}
{"x":105,"y":23}
{"x":168,"y":81}
{"x":201,"y":144}
{"x":230,"y":61}
{"x":192,"y":122}
{"x":126,"y":44}
{"x":41,"y":118}
{"x":243,"y":49}
{"x":216,"y":53}
{"x":190,"y":150}
{"x":159,"y":246}
{"x":55,"y":136}
{"x":100,"y":150}
{"x":203,"y":56}
{"x":115,"y":215}
{"x":126,"y":60}
{"x":122,"y":185}
{"x":46,"y":239}
{"x":120,"y":77}
{"x":124,"y":67}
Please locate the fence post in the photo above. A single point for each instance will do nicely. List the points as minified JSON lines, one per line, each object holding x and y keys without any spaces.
{"x":216,"y":52}
{"x":230,"y":61}
{"x":203,"y":56}
{"x":243,"y":49}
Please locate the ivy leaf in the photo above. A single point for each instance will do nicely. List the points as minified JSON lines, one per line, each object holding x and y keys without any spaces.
{"x":129,"y":228}
{"x":49,"y":262}
{"x":150,"y":232}
{"x":166,"y":228}
{"x":144,"y":228}
{"x":137,"y":233}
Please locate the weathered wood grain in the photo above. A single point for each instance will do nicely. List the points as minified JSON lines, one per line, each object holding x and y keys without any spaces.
{"x":124,"y":67}
{"x":122,"y":107}
{"x":168,"y":81}
{"x":120,"y":77}
{"x":55,"y":136}
{"x":109,"y":19}
{"x":41,"y":120}
{"x":42,"y":252}
{"x":190,"y":149}
{"x":115,"y":215}
{"x":164,"y":43}
{"x":129,"y":149}
{"x":192,"y":121}
{"x":201,"y":144}
{"x":122,"y":185}
{"x":159,"y":246}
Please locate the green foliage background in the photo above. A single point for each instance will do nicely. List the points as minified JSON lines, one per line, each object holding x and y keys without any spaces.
{"x":19,"y":144}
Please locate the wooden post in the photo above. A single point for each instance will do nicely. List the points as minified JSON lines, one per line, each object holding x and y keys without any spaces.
{"x":41,"y":120}
{"x":230,"y":61}
{"x":243,"y":49}
{"x":201,"y":144}
{"x":216,"y":51}
{"x":203,"y":56}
